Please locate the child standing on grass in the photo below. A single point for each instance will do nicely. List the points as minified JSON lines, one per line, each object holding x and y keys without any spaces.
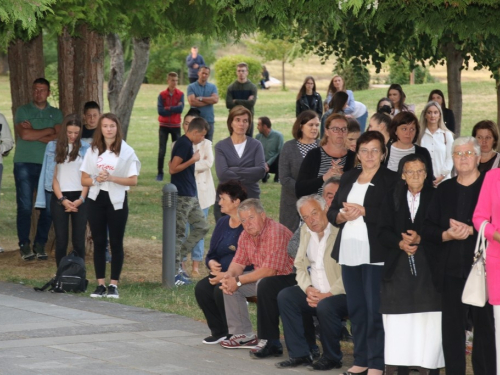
{"x":182,"y":169}
{"x":109,"y":168}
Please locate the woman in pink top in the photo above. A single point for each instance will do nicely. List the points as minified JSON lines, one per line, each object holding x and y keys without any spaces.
{"x":488,"y":208}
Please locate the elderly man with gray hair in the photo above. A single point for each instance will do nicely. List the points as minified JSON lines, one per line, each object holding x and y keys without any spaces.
{"x":263,"y":244}
{"x":319,"y":291}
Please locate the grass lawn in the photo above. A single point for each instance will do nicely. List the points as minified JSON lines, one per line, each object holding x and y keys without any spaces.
{"x":141,"y":277}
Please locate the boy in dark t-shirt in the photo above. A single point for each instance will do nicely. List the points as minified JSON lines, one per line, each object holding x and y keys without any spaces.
{"x":181,"y":168}
{"x":91,"y":114}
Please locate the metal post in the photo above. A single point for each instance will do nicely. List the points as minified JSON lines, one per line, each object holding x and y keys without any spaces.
{"x":169,"y":235}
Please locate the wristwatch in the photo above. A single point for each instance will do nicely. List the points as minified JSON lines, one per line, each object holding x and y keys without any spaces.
{"x":238,"y":282}
{"x":60,"y":200}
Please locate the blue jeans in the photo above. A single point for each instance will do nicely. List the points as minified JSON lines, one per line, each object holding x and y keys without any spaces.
{"x":362,"y":121}
{"x":199,"y":249}
{"x":26,"y":178}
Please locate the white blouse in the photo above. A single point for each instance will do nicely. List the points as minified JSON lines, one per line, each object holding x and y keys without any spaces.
{"x":440,"y":146}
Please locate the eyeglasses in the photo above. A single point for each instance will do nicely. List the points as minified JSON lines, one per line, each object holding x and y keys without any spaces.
{"x":365,"y":151}
{"x":466,"y":154}
{"x":410,"y":173}
{"x":337,"y":130}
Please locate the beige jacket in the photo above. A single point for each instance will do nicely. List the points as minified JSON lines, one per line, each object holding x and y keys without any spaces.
{"x":332,"y":268}
{"x":203,"y":174}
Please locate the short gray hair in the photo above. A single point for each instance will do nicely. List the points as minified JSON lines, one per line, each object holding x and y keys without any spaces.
{"x":312,"y":197}
{"x":332,"y":180}
{"x":460,"y":141}
{"x":251,"y":203}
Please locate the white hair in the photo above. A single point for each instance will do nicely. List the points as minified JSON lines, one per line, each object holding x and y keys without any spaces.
{"x":251,"y":203}
{"x":467,"y":140}
{"x":312,"y":197}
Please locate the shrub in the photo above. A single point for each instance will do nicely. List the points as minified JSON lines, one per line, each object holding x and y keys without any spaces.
{"x":400,"y":72}
{"x":225,"y":71}
{"x":355,"y":75}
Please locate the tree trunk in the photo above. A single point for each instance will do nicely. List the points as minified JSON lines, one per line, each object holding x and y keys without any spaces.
{"x":4,"y":64}
{"x":454,"y":62}
{"x":283,"y":85}
{"x":89,"y":68}
{"x":122,"y":95}
{"x":65,"y":71}
{"x":25,"y":65}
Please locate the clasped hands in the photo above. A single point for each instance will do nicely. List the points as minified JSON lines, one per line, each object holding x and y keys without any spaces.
{"x":352,"y":211}
{"x":71,"y":206}
{"x":410,"y":241}
{"x":459,"y":230}
{"x":313,"y":296}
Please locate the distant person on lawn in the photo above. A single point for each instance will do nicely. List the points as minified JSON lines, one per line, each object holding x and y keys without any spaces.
{"x":242,"y":92}
{"x":272,"y":141}
{"x":170,"y":107}
{"x":182,"y":170}
{"x":203,"y":95}
{"x":36,"y":124}
{"x":194,"y":62}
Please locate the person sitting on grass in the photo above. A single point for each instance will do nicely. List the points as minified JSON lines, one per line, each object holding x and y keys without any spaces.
{"x":182,"y":169}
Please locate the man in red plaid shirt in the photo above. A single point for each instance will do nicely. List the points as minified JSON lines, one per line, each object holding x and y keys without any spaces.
{"x":262,"y":244}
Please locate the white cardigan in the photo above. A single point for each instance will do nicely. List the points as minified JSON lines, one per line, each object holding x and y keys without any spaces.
{"x":203,"y":174}
{"x":440,"y":146}
{"x":125,"y":159}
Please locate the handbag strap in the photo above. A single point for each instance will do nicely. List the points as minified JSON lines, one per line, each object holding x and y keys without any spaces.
{"x":481,"y":242}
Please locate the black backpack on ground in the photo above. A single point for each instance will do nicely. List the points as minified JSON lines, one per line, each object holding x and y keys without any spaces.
{"x":71,"y":276}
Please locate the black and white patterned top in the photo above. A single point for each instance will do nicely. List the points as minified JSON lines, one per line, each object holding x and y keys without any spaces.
{"x":305,"y":148}
{"x":326,"y":164}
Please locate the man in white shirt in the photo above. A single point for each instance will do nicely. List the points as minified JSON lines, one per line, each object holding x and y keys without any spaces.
{"x":319,"y":291}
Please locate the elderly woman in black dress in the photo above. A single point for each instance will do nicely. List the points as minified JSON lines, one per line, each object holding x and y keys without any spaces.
{"x":355,"y":210}
{"x":448,"y":229}
{"x":409,"y":302}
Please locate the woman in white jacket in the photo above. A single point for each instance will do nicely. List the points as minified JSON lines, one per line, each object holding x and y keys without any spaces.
{"x":205,"y":185}
{"x":109,"y":168}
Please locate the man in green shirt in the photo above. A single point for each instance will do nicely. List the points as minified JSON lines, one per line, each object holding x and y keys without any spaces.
{"x":272,"y":141}
{"x":36,"y":124}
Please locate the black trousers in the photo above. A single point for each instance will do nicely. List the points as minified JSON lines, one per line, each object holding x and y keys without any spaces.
{"x":274,"y":168}
{"x":60,"y":218}
{"x":211,"y":302}
{"x":163,"y":133}
{"x":103,"y":217}
{"x":454,"y":324}
{"x":330,"y":312}
{"x":268,"y":314}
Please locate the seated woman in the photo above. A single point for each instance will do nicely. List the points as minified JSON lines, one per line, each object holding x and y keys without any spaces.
{"x":308,"y":98}
{"x":223,"y":246}
{"x":331,"y":159}
{"x":486,"y":134}
{"x":409,"y":301}
{"x":403,"y":132}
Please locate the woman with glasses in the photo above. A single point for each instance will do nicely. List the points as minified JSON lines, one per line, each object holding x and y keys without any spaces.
{"x":332,"y":158}
{"x":409,"y":302}
{"x":486,"y":134}
{"x":403,"y":133}
{"x":449,"y":231}
{"x":308,"y":98}
{"x":355,"y":210}
{"x":435,"y":137}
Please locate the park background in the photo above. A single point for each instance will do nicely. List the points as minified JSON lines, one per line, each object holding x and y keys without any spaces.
{"x":141,"y":277}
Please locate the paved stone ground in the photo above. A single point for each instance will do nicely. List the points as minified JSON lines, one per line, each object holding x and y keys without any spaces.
{"x":65,"y":334}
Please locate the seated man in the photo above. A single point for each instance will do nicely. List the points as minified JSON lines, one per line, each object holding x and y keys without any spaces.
{"x":268,"y":330}
{"x":263,"y":243}
{"x":320,"y":291}
{"x":272,"y":141}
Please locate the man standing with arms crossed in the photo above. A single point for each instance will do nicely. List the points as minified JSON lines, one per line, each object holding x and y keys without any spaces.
{"x":242,"y":92}
{"x":36,"y":124}
{"x":203,"y":95}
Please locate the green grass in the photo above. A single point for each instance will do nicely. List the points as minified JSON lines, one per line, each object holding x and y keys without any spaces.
{"x":143,"y":288}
